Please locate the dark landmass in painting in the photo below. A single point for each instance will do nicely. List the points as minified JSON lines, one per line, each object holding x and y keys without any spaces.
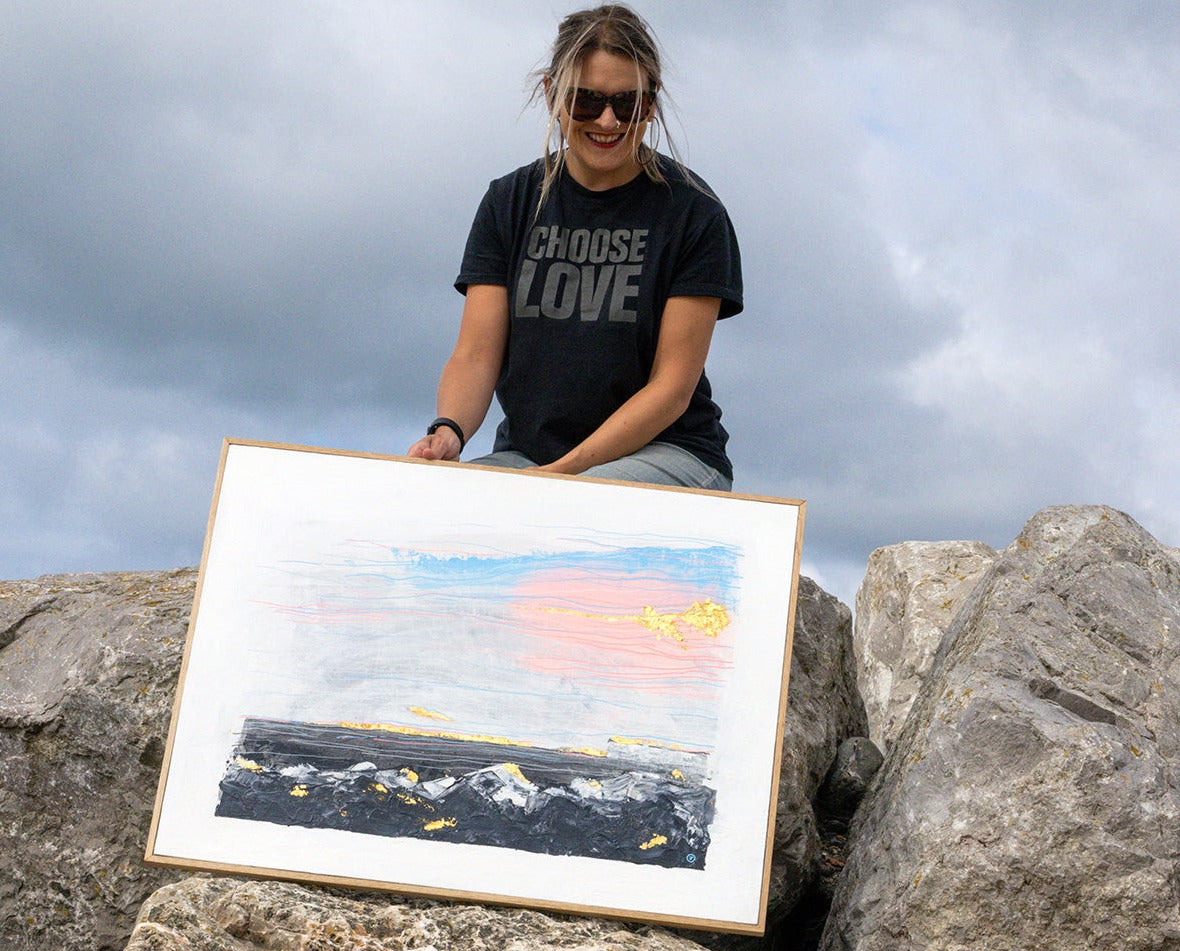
{"x":639,"y":803}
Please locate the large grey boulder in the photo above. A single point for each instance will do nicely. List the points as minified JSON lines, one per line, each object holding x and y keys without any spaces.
{"x":232,"y":915}
{"x":1032,"y":799}
{"x":910,"y":594}
{"x":88,"y":667}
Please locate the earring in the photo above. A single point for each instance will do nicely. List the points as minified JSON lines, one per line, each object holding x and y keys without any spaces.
{"x":650,"y":150}
{"x":656,"y":135}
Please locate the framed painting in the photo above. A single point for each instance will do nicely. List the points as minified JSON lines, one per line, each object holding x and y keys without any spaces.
{"x":484,"y":685}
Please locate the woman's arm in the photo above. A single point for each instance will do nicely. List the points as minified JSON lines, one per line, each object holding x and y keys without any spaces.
{"x":469,"y":378}
{"x":686,"y":329}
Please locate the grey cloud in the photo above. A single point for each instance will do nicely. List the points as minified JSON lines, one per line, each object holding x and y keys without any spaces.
{"x":257,"y":198}
{"x":957,"y":226}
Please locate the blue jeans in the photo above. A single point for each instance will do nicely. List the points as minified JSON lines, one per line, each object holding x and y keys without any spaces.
{"x":660,"y":463}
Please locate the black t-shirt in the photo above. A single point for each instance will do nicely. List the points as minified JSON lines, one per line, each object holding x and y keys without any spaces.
{"x":587,"y":281}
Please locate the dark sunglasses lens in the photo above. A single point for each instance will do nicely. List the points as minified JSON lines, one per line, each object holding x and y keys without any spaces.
{"x":625,"y":106}
{"x":588,"y":105}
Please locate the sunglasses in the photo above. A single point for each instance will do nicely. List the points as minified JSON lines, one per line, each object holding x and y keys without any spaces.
{"x":586,"y":105}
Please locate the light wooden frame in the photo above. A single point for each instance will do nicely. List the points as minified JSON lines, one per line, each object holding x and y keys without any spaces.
{"x":324,"y":576}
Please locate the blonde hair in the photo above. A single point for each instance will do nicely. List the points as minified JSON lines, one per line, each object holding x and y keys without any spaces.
{"x":613,"y":28}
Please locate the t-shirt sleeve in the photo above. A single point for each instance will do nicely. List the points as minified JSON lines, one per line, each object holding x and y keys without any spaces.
{"x":710,"y":264}
{"x":486,"y":256}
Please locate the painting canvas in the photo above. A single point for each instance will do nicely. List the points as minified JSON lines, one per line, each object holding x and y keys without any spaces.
{"x":482,"y":684}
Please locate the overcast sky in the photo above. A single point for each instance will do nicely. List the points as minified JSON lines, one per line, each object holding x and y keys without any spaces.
{"x":959,"y":223}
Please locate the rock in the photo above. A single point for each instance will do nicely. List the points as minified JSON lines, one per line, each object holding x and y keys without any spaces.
{"x":228,"y":915}
{"x":857,"y":762}
{"x":88,"y":667}
{"x":1032,"y":798}
{"x":908,"y":598}
{"x":823,"y":709}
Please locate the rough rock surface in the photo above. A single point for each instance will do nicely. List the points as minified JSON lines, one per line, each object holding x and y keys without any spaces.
{"x":857,"y":762}
{"x":824,"y":709}
{"x":232,"y":915}
{"x":88,"y":667}
{"x":908,"y":598}
{"x":1032,"y":799}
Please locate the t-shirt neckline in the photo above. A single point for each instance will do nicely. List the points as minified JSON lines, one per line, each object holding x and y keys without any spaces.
{"x":603,"y":194}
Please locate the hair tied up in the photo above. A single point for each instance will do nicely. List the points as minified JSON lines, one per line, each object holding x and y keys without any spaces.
{"x":612,"y":28}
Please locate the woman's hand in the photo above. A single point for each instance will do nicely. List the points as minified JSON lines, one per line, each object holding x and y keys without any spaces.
{"x":443,"y":443}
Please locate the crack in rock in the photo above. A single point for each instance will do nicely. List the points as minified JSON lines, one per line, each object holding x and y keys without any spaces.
{"x":1075,"y":703}
{"x":10,"y":633}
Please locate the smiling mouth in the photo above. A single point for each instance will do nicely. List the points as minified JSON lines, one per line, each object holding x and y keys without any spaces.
{"x":605,"y":140}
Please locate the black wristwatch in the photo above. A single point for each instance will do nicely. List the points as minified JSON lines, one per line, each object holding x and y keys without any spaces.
{"x":450,"y":424}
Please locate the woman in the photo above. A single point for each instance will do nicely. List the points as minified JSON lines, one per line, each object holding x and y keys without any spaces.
{"x":593,"y":280}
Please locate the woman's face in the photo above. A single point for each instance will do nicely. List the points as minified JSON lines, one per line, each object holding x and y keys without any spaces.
{"x":600,"y":153}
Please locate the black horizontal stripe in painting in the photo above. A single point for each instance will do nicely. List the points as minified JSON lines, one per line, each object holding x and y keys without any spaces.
{"x":633,"y":807}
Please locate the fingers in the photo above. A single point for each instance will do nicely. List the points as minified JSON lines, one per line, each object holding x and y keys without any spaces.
{"x":443,"y":444}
